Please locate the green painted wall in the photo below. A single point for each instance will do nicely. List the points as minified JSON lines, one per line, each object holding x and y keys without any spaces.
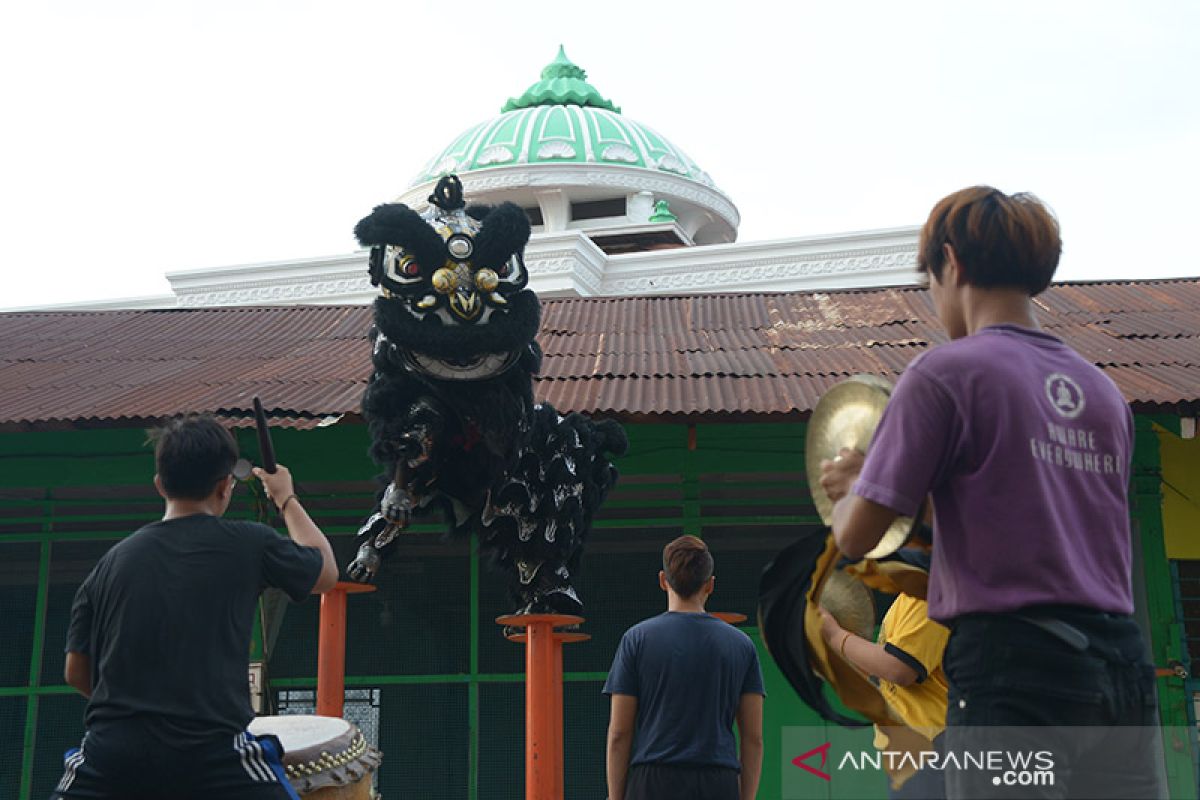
{"x":451,"y":686}
{"x":1162,"y":604}
{"x":68,"y":496}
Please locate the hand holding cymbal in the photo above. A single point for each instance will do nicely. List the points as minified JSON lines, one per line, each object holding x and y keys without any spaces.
{"x":848,"y":603}
{"x":831,"y":631}
{"x":839,"y":473}
{"x":839,"y":431}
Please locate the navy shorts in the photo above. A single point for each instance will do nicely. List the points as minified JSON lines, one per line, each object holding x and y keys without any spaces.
{"x":125,"y":762}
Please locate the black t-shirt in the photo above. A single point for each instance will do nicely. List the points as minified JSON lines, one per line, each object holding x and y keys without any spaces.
{"x":166,"y":617}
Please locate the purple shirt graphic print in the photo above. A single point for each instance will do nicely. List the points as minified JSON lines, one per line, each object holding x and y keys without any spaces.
{"x":1025,"y":449}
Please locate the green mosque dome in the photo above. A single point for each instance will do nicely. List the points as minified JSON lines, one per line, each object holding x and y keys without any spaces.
{"x":561,"y":119}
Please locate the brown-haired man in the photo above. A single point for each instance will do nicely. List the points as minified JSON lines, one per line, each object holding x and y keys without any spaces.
{"x":1024,"y":447}
{"x":678,"y":683}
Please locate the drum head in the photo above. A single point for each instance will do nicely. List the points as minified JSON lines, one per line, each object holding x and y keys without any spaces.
{"x":300,"y":733}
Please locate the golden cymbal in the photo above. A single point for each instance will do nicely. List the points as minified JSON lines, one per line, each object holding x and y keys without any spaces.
{"x":850,"y":603}
{"x":846,"y":416}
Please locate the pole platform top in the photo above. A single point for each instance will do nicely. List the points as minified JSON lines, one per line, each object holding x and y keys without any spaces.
{"x":565,"y":637}
{"x":526,"y":620}
{"x":350,"y":587}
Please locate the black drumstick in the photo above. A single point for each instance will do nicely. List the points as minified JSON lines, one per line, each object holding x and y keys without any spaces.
{"x":266,"y":450}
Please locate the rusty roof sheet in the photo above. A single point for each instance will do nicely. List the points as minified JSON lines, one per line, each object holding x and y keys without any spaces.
{"x":636,"y":357}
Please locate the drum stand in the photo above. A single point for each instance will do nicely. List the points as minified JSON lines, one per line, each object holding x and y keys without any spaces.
{"x":543,"y":698}
{"x":331,"y":648}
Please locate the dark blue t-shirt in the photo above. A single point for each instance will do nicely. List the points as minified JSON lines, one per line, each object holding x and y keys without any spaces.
{"x":688,"y":672}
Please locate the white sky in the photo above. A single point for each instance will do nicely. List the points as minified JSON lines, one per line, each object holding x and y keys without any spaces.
{"x":140,"y":138}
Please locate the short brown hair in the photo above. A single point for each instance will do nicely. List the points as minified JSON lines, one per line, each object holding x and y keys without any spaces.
{"x":1001,"y":241}
{"x":688,"y":565}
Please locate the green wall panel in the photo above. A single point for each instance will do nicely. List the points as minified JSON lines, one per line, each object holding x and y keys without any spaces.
{"x":452,"y":699}
{"x":70,"y":563}
{"x":59,"y":728}
{"x":18,"y":600}
{"x":416,"y":620}
{"x":502,"y":743}
{"x":423,"y":734}
{"x":12,"y":732}
{"x":1166,"y":629}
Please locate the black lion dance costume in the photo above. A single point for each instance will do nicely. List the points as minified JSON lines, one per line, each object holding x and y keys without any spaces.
{"x":450,"y":401}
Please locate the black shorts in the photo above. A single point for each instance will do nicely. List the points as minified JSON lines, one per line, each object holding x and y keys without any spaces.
{"x":681,"y":782}
{"x":125,"y":762}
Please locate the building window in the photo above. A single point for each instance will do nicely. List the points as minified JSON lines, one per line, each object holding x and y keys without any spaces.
{"x":535,"y":215}
{"x":598,"y":209}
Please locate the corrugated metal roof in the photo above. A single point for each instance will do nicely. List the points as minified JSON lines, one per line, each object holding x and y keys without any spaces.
{"x":700,"y":355}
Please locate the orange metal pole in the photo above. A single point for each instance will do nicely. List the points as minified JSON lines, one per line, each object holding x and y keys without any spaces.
{"x":331,"y":653}
{"x":557,"y":700}
{"x":540,"y":745}
{"x":331,"y":648}
{"x":543,"y":699}
{"x":561,"y":638}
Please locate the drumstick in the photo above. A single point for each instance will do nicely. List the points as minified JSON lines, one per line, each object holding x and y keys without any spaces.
{"x":265,"y":449}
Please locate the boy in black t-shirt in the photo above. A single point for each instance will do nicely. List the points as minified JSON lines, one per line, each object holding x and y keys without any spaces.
{"x":160,"y":632}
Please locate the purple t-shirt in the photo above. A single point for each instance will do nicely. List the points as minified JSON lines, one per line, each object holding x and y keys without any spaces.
{"x":1025,"y":448}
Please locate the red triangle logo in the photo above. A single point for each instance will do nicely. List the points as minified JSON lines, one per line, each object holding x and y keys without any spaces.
{"x":800,"y":759}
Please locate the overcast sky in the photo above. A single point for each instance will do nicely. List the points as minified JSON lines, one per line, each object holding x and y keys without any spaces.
{"x":141,"y":138}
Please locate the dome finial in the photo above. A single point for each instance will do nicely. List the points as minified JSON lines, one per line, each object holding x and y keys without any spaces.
{"x":563,"y":83}
{"x":562,"y":67}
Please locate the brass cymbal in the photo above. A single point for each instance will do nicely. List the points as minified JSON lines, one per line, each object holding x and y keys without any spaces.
{"x":846,"y":416}
{"x":850,"y":603}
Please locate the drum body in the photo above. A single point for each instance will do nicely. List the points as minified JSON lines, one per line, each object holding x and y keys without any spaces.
{"x":326,"y":758}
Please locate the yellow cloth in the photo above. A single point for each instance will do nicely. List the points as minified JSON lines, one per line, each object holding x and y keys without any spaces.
{"x":907,"y":626}
{"x":893,"y":577}
{"x":852,"y":687}
{"x":921,"y":706}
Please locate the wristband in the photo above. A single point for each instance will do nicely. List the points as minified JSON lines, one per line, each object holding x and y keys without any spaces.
{"x":841,"y":648}
{"x":283,"y":507}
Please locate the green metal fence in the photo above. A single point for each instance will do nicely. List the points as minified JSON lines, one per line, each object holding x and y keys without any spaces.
{"x":450,"y":687}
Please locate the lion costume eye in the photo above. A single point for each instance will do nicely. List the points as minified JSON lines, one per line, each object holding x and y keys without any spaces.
{"x":400,"y":267}
{"x":513,"y":271}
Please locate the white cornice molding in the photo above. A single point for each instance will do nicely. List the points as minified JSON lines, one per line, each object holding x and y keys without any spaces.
{"x":568,"y":263}
{"x":267,"y":270}
{"x":849,"y":260}
{"x":321,"y":280}
{"x":492,"y":180}
{"x":327,"y":290}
